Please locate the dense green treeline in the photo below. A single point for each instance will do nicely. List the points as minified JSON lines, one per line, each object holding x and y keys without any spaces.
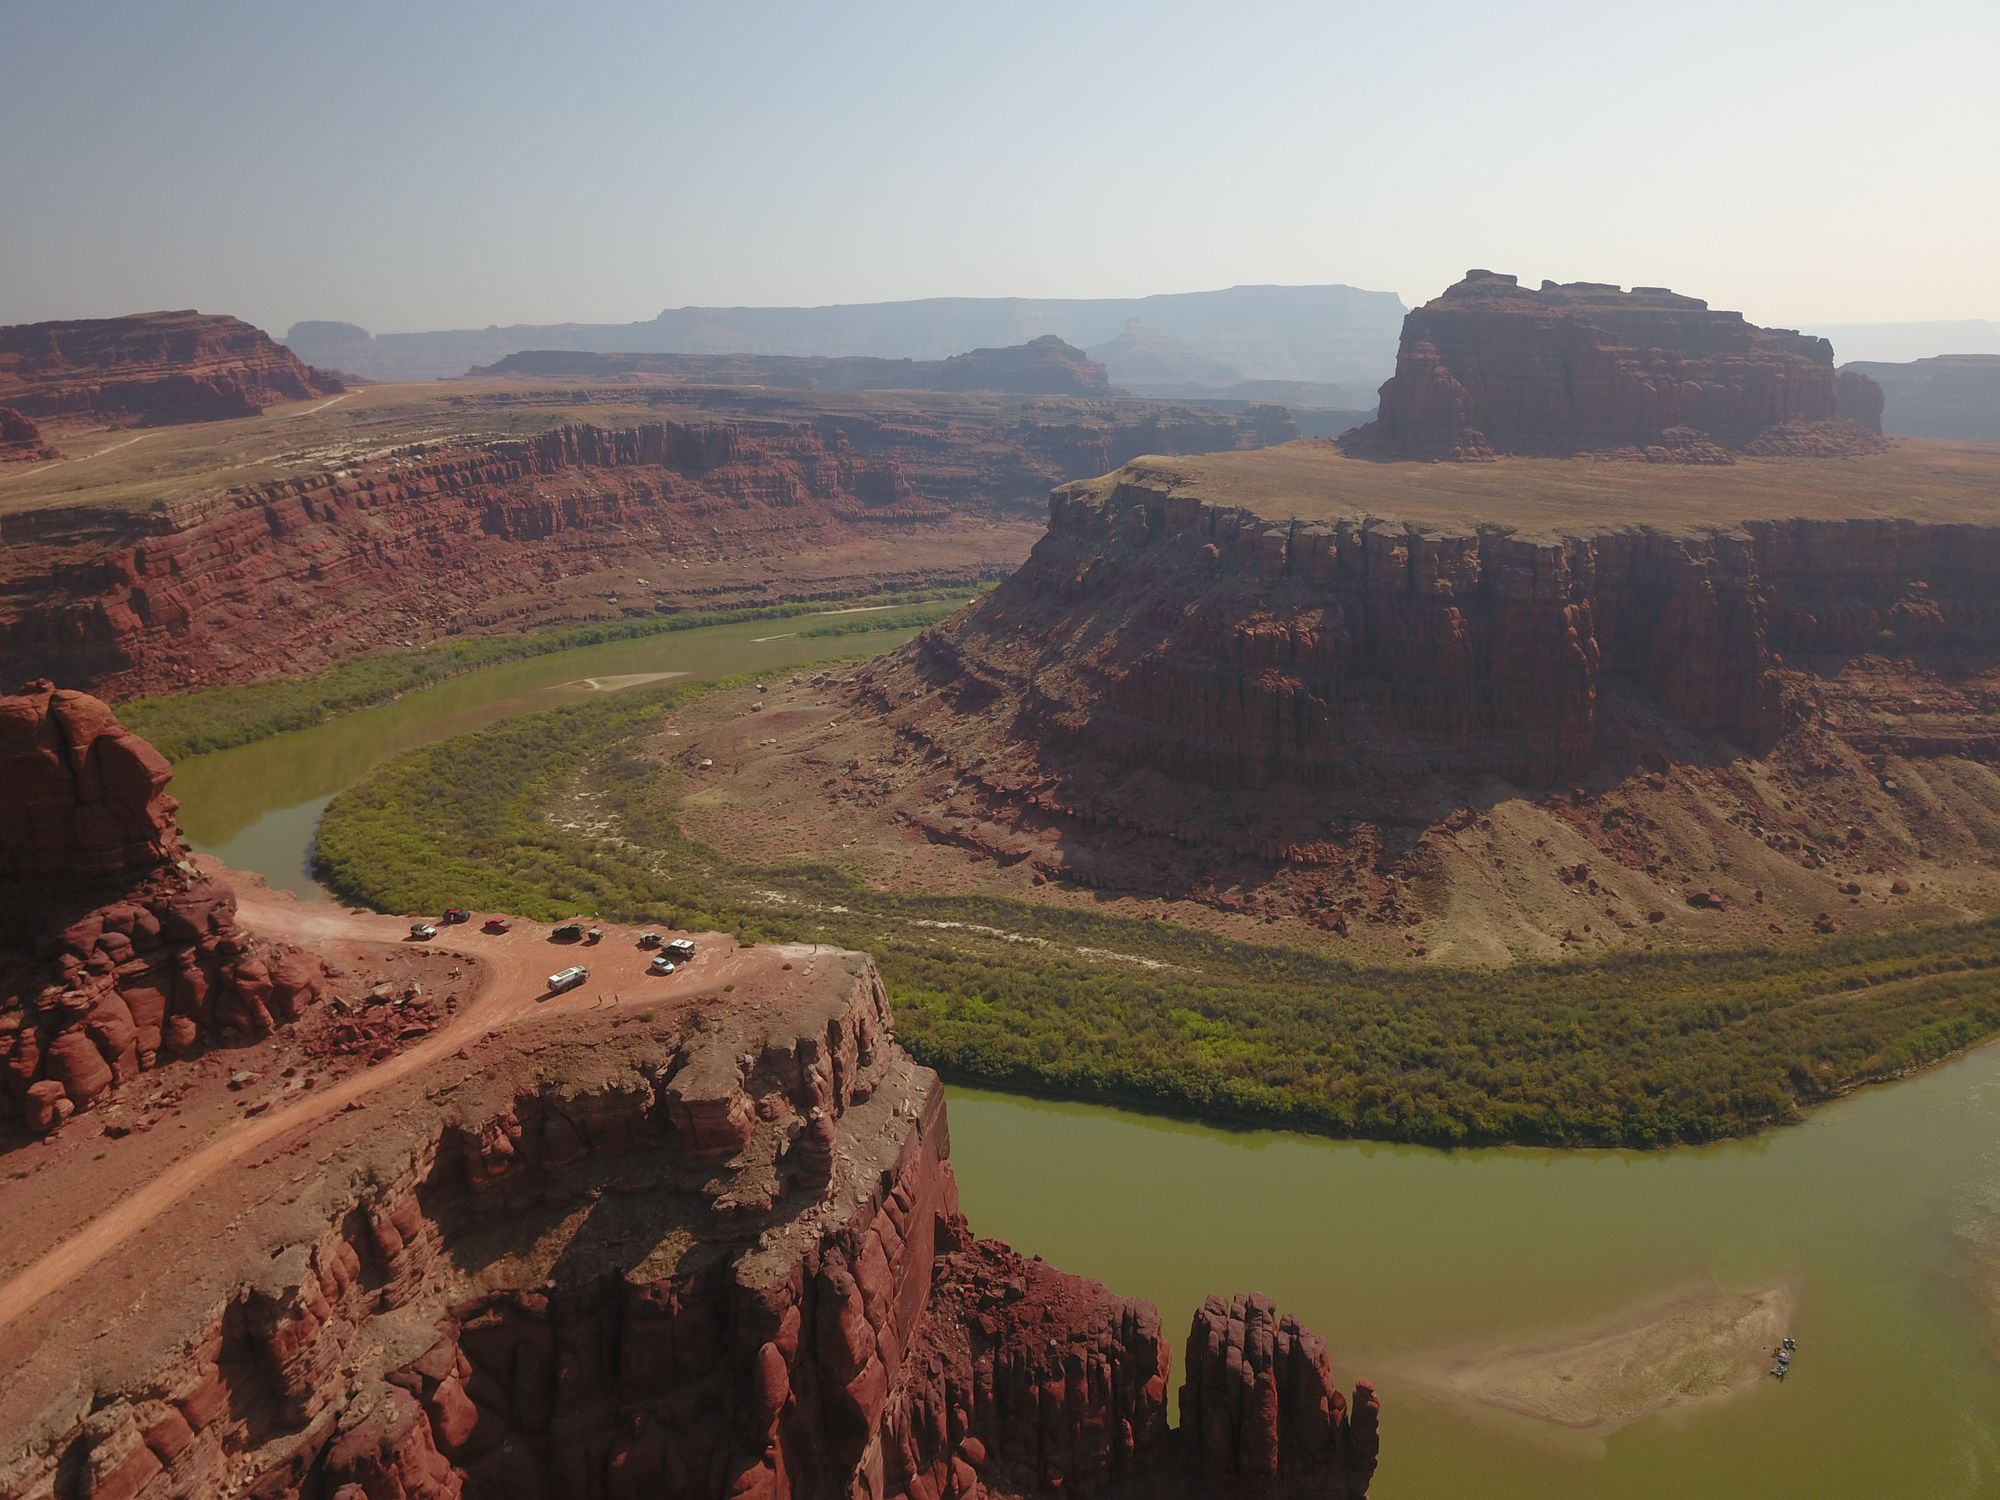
{"x":1640,"y":1050}
{"x":182,"y":724}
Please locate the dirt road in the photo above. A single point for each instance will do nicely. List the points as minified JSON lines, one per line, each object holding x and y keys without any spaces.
{"x":509,"y":974}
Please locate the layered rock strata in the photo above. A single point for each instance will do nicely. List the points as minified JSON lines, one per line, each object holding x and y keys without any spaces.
{"x":1219,"y":646}
{"x":1491,"y":366}
{"x":117,"y":955}
{"x":714,"y":1253}
{"x":1361,"y":721}
{"x":151,"y":368}
{"x":411,"y":544}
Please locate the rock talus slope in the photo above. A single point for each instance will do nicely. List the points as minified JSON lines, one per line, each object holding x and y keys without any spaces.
{"x":116,"y":955}
{"x":715,"y":1253}
{"x":1491,"y":366}
{"x":151,"y":368}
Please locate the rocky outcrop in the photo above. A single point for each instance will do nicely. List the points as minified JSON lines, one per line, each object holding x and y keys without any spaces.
{"x":1950,"y":396}
{"x":715,"y":1256}
{"x":1232,"y":650}
{"x":419,"y":541}
{"x":114,"y":954}
{"x":1260,"y":1408}
{"x":1315,"y":695}
{"x":80,"y":797}
{"x":1041,"y":367}
{"x":20,"y":440}
{"x":151,"y":368}
{"x":1493,"y":367}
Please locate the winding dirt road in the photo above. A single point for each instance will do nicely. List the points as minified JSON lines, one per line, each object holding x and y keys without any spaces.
{"x":509,"y":974}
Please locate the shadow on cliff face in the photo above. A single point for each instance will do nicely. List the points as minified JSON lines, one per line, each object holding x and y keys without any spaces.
{"x":1124,"y":831}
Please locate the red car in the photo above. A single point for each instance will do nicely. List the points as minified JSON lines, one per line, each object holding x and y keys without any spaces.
{"x":454,"y":914}
{"x":496,"y":924}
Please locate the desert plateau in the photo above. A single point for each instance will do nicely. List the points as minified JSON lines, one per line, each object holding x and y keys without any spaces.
{"x":863,"y":756}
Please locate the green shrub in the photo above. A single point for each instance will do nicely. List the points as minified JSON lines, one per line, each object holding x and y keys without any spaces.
{"x":1643,"y":1049}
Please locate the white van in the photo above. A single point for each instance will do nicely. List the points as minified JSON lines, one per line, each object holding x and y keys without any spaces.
{"x":567,"y":979}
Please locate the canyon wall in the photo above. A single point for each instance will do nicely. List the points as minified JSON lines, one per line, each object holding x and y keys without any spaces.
{"x":1153,"y":629}
{"x":151,"y":368}
{"x":408,"y":545}
{"x":1491,"y":366}
{"x":715,"y":1256}
{"x":114,"y":954}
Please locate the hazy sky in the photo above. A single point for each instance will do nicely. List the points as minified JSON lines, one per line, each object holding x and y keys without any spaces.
{"x":420,"y":165}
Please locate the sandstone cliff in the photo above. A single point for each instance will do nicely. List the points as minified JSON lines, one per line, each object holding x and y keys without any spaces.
{"x":21,"y":440}
{"x":1493,"y":367}
{"x":114,"y":955}
{"x":423,"y":540}
{"x":152,"y":368}
{"x":715,"y":1253}
{"x":1521,"y":738}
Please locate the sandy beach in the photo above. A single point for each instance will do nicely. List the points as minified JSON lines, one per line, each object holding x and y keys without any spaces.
{"x":1704,"y":1345}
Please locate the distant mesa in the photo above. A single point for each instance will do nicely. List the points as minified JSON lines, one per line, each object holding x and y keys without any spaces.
{"x":1143,"y":358}
{"x":21,"y":439}
{"x":1044,"y":366}
{"x":1492,"y":367}
{"x":1325,"y":334}
{"x":1951,"y":396}
{"x":152,"y":369}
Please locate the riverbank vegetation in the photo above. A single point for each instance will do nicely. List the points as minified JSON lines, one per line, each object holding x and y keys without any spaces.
{"x":194,"y":723}
{"x":561,"y":812}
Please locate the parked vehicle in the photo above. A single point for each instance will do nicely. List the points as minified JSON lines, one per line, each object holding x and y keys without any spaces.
{"x":649,"y":940}
{"x":595,"y":935}
{"x":661,"y":964}
{"x":495,"y":924}
{"x":681,"y":949}
{"x":456,"y":914}
{"x":567,"y":979}
{"x":423,"y":932}
{"x":567,"y":932}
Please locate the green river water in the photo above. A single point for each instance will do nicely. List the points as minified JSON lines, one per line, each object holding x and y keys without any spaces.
{"x":1405,"y":1257}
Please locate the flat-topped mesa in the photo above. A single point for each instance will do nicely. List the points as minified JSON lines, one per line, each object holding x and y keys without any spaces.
{"x":1042,"y":367}
{"x":1946,"y":396}
{"x":1492,"y":367}
{"x":113,"y":955}
{"x":716,"y":1254}
{"x":153,"y":368}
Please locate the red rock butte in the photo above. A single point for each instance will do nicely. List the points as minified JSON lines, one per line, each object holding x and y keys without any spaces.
{"x":1494,"y":367}
{"x":115,"y":955}
{"x":152,"y":369}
